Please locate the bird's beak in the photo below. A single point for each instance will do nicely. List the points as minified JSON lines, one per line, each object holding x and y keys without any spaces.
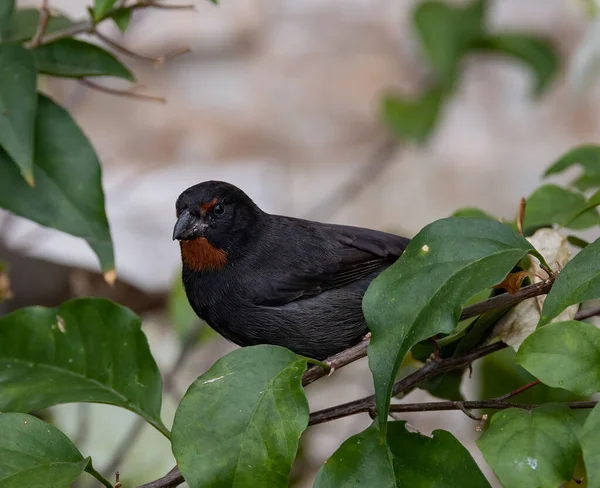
{"x":187,"y":227}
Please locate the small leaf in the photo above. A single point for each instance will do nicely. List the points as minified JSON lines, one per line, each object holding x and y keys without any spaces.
{"x":122,"y":17}
{"x":446,"y":33}
{"x":35,"y":454}
{"x":362,"y":460}
{"x":588,"y":157}
{"x":551,"y":204}
{"x":537,"y":53}
{"x":577,"y":282}
{"x":76,"y":59}
{"x":87,"y":350}
{"x":102,"y":7}
{"x":407,"y":459}
{"x":590,"y":440}
{"x":577,"y":241}
{"x":6,"y":9}
{"x":422,"y":293}
{"x":565,"y":355}
{"x":24,"y":23}
{"x":512,"y":282}
{"x":18,"y":100}
{"x":413,"y":120}
{"x":537,"y":448}
{"x":239,"y":424}
{"x":68,"y":194}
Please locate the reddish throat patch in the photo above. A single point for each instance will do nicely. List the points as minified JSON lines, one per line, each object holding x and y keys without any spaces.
{"x":198,"y":254}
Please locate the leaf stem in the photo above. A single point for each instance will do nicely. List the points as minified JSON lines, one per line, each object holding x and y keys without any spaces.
{"x":98,"y":476}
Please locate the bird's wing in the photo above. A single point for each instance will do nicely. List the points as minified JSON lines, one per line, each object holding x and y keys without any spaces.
{"x":351,"y":253}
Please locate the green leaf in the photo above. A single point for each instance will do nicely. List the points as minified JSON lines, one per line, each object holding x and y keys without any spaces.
{"x":565,"y":355}
{"x":239,"y":424}
{"x":122,"y":17}
{"x":76,"y":59}
{"x":413,"y":120}
{"x":537,"y":53}
{"x":24,"y":23}
{"x":6,"y":9}
{"x":588,"y":157}
{"x":35,"y":454}
{"x":102,"y":7}
{"x":551,"y":204}
{"x":536,"y":448}
{"x":407,"y":459}
{"x":472,"y":212}
{"x":446,"y":33}
{"x":18,"y":100}
{"x":68,"y":194}
{"x":422,"y":293}
{"x":577,"y":282}
{"x":362,"y":460}
{"x":87,"y":350}
{"x":590,"y":440}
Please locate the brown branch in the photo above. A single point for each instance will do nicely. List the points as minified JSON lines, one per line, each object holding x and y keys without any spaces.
{"x":476,"y":405}
{"x":521,"y":217}
{"x":170,"y":480}
{"x":42,"y":25}
{"x":521,"y":389}
{"x":121,"y":93}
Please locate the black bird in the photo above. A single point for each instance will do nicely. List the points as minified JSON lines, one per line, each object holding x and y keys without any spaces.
{"x":258,"y":278}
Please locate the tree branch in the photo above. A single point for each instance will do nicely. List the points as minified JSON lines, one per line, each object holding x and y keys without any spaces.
{"x":478,"y":404}
{"x":121,"y":93}
{"x":170,"y":480}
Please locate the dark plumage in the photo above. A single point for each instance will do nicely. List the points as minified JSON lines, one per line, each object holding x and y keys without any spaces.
{"x":258,"y":278}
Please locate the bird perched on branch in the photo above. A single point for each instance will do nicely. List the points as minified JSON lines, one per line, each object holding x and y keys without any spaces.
{"x":258,"y":278}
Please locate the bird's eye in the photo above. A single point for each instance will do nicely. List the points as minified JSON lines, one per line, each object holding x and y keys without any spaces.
{"x":218,"y":209}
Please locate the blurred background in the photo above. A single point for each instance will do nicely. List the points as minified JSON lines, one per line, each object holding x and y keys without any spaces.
{"x":283,"y":98}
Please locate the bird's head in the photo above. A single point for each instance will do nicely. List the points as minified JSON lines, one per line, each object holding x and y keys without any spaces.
{"x":214,"y":221}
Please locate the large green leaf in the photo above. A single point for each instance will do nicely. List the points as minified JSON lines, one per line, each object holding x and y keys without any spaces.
{"x":35,"y":454}
{"x":551,"y":204}
{"x":239,"y":424}
{"x":588,"y":157}
{"x":18,"y":101}
{"x":87,"y":350}
{"x":68,"y":194}
{"x":6,"y":9}
{"x":446,"y":33}
{"x":565,"y":355}
{"x":537,"y":53}
{"x":24,"y":23}
{"x":577,"y":282}
{"x":590,"y":440}
{"x":533,"y":448}
{"x":407,"y":459}
{"x":362,"y":460}
{"x":422,"y":294}
{"x":76,"y":59}
{"x":413,"y":120}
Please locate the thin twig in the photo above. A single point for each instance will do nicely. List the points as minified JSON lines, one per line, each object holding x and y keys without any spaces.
{"x":475,"y":405}
{"x":171,"y":480}
{"x":521,"y":217}
{"x":121,"y":93}
{"x":521,"y":389}
{"x":42,"y":25}
{"x":587,"y":313}
{"x":122,"y":49}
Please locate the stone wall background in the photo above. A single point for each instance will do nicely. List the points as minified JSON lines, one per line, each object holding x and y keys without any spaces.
{"x":281,"y":98}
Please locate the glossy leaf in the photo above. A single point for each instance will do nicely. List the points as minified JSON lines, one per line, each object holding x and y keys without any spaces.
{"x":588,"y":157}
{"x":446,"y":32}
{"x":413,"y":120}
{"x":537,"y":53}
{"x":87,"y":350}
{"x":537,"y":448}
{"x":551,"y":204}
{"x":565,"y":355}
{"x":577,"y":282}
{"x":76,"y":59}
{"x":423,"y":292}
{"x":406,"y":459}
{"x":68,"y":194}
{"x":6,"y":9}
{"x":102,"y":7}
{"x":35,"y":454}
{"x":18,"y":102}
{"x":239,"y":424}
{"x":362,"y":460}
{"x":24,"y":23}
{"x":590,"y":440}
